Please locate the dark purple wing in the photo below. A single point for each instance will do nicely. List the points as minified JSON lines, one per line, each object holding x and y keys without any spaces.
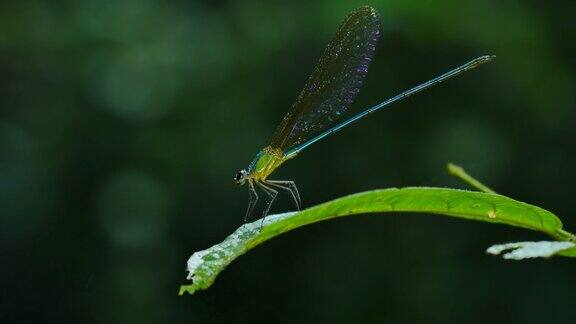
{"x":335,"y":82}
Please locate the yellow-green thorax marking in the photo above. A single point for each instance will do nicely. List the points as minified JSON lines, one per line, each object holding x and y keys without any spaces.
{"x":265,"y":162}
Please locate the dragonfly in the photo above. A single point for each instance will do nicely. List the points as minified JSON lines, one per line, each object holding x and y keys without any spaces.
{"x":328,"y":93}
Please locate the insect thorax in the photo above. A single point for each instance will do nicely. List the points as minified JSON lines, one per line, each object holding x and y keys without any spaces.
{"x":265,"y":162}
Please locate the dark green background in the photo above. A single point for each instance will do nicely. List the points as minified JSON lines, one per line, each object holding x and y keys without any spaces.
{"x":123,"y":123}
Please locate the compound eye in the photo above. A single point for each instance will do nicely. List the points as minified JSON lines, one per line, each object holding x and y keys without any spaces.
{"x":238,"y":176}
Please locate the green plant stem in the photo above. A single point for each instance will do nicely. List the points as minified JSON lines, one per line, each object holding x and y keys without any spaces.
{"x":460,"y":173}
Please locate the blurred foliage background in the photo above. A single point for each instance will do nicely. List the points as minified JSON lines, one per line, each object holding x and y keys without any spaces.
{"x":122,"y":124}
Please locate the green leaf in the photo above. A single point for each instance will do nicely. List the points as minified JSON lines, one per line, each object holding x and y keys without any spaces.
{"x":204,"y":266}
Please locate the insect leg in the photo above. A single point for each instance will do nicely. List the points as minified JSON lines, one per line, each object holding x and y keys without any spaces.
{"x":272,"y":193}
{"x":252,"y":200}
{"x":290,"y":186}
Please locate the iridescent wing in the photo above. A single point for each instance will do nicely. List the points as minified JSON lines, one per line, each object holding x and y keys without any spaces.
{"x":335,"y":82}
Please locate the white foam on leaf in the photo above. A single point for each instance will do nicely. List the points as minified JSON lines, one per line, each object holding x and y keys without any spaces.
{"x":526,"y":250}
{"x":193,"y":262}
{"x":226,"y":248}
